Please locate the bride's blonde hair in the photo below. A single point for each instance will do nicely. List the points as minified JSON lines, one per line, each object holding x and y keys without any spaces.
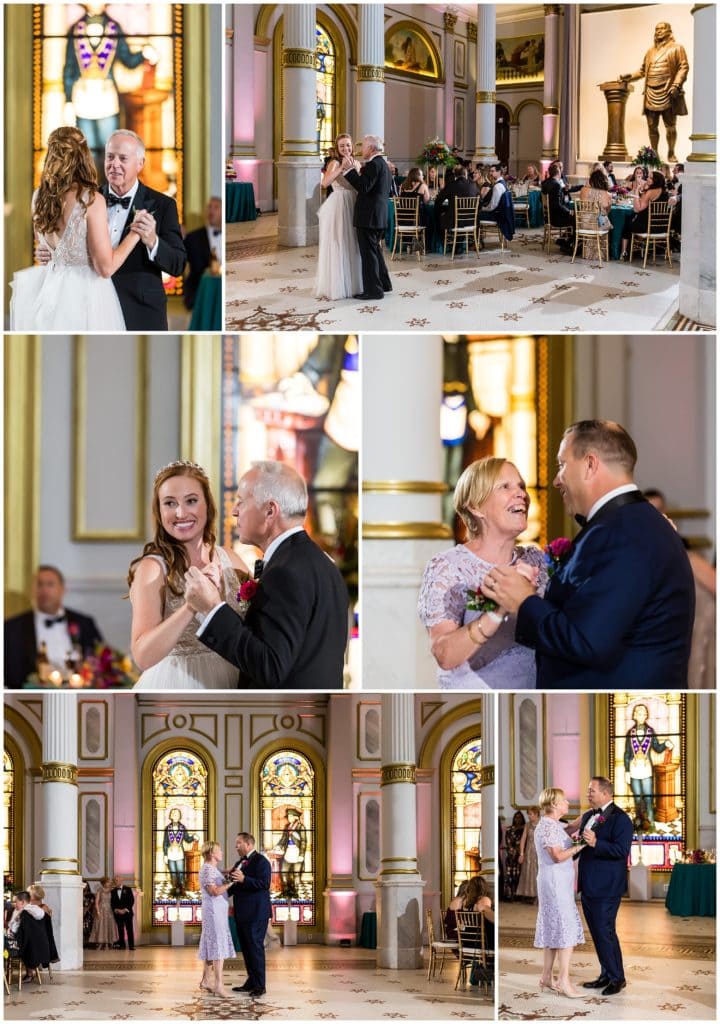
{"x":68,"y":164}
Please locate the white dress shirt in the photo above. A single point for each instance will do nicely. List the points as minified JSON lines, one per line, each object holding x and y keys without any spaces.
{"x":215,"y":241}
{"x":56,"y":637}
{"x":624,"y":489}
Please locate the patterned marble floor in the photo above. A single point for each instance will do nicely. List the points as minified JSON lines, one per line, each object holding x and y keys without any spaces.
{"x":271,"y":288}
{"x":669,"y":967}
{"x":304,"y":983}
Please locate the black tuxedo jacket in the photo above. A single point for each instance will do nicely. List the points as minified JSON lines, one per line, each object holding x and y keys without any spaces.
{"x":197,"y":247}
{"x":138,"y":282}
{"x":21,"y":644}
{"x":445,"y":214}
{"x":561,"y":213}
{"x":373,"y":185}
{"x":124,"y":900}
{"x":602,"y":869}
{"x":251,"y":898}
{"x":619,"y":610}
{"x":295,"y":632}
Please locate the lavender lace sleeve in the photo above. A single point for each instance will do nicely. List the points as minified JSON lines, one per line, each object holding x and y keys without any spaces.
{"x":442,"y":593}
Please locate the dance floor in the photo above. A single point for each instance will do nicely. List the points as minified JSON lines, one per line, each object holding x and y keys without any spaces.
{"x":304,"y":983}
{"x":669,"y":968}
{"x":271,"y":288}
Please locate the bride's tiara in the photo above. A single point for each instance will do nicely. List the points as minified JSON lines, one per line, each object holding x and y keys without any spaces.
{"x":180,"y":464}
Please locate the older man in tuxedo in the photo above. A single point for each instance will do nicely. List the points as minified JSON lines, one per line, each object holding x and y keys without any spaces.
{"x":295,"y":631}
{"x":620,"y":607}
{"x":251,"y":907}
{"x":373,"y":185}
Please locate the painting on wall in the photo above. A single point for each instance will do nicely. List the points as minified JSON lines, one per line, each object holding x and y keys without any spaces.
{"x":520,"y":60}
{"x":410,"y":51}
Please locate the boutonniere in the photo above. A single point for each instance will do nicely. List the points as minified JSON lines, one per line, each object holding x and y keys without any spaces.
{"x":600,"y":820}
{"x":74,"y":630}
{"x":248,"y":590}
{"x":555,"y":552}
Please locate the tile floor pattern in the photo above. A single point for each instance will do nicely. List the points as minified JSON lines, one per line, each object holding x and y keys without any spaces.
{"x":304,"y":983}
{"x":271,"y":288}
{"x":669,"y":967}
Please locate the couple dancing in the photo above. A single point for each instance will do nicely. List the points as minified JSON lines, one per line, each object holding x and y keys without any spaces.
{"x":87,"y":234}
{"x":353,"y":220}
{"x":601,"y":846}
{"x":615,"y":604}
{"x":200,"y":617}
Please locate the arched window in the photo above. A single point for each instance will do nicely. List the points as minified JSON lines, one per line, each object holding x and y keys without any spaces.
{"x":287,"y":802}
{"x":466,"y":813}
{"x":8,"y":816}
{"x":180,"y":827}
{"x":325,"y":85}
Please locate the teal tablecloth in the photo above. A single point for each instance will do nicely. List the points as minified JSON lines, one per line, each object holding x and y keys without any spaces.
{"x":691,"y":892}
{"x":207,"y":309}
{"x":368,"y":930}
{"x":239,"y":201}
{"x":618,"y":216}
{"x":535,"y":209}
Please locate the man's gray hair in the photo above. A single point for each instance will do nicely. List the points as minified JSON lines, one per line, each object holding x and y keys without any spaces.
{"x":277,"y":482}
{"x":140,"y":145}
{"x":375,"y":141}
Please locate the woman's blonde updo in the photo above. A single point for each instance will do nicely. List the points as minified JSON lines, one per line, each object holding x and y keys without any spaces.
{"x":474,"y":488}
{"x":207,"y":848}
{"x":549,"y":797}
{"x":68,"y":164}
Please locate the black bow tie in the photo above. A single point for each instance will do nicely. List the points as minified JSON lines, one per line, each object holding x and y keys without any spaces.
{"x":51,"y":622}
{"x":580,"y":520}
{"x":259,"y":567}
{"x":217,"y":231}
{"x":117,"y":201}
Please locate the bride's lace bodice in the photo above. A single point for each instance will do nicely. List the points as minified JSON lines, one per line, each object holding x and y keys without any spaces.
{"x":71,"y":248}
{"x":342,"y":182}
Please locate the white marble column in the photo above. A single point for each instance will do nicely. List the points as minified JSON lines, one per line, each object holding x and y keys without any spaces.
{"x":299,"y":163}
{"x":551,"y":85}
{"x":699,"y":194}
{"x":488,"y":830}
{"x":402,"y":503}
{"x":60,"y":871}
{"x":485,"y":95}
{"x":240,"y":91}
{"x":341,"y":922}
{"x":371,"y":71}
{"x":399,"y":886}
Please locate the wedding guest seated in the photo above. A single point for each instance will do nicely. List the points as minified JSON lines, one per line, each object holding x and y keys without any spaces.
{"x":27,"y":928}
{"x":455,"y":904}
{"x":532,"y":176}
{"x":677,"y":170}
{"x":596,"y":190}
{"x":395,"y":178}
{"x":37,"y":899}
{"x":432,"y":180}
{"x":561,"y":213}
{"x":459,"y":185}
{"x":477,"y":898}
{"x":490,"y":195}
{"x":567,"y":187}
{"x":610,"y":172}
{"x":414,"y":185}
{"x":636,"y":179}
{"x":60,"y":629}
{"x":479,"y":175}
{"x":199,"y":245}
{"x":653,"y":191}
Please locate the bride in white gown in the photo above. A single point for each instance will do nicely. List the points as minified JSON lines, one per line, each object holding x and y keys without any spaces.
{"x":164,"y":644}
{"x":339,"y":272}
{"x":73,"y":291}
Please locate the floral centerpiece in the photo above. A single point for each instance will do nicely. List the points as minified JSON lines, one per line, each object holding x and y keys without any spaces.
{"x":108,"y":669}
{"x":437,"y":154}
{"x":647,"y":157}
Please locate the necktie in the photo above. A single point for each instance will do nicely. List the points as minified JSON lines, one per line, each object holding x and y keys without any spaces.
{"x":259,"y":566}
{"x":116,"y":200}
{"x":51,"y":622}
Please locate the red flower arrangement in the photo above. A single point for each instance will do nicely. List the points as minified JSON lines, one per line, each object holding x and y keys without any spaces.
{"x":555,"y":552}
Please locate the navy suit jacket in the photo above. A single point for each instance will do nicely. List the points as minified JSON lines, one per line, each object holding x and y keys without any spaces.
{"x":620,"y":610}
{"x":251,"y":898}
{"x":602,"y":869}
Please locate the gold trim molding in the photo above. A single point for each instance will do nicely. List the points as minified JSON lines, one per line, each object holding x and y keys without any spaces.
{"x":700,"y":7}
{"x":487,"y":775}
{"x":702,"y":158}
{"x":59,"y":860}
{"x":370,"y":73}
{"x":398,"y":871}
{"x":486,"y":96}
{"x":58,"y":771}
{"x":551,"y":110}
{"x":450,"y":21}
{"x":295,"y":57}
{"x":59,"y":871}
{"x":703,"y":137}
{"x":406,"y":531}
{"x":404,"y":487}
{"x":393,"y":773}
{"x":472,"y":31}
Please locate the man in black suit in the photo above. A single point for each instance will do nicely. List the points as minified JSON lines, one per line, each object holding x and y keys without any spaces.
{"x":562,"y":214}
{"x":295,"y":631}
{"x":621,"y":604}
{"x":199,"y":245}
{"x":458,"y":184}
{"x":122,"y":902}
{"x":373,"y":185}
{"x":133,"y":206}
{"x":251,"y":907}
{"x":48,"y":622}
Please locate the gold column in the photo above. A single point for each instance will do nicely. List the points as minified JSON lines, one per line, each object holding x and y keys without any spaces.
{"x":201,"y":392}
{"x":197,"y":97}
{"x":18,"y":140}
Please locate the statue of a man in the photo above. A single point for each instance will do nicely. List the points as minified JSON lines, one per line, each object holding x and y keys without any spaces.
{"x":664,"y":69}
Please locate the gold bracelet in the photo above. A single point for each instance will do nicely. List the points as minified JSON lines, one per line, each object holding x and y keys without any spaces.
{"x":477,"y":643}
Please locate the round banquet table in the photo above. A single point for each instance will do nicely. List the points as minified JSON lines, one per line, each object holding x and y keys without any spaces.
{"x":691,"y":892}
{"x":207,"y":308}
{"x":433,"y":240}
{"x":239,"y":201}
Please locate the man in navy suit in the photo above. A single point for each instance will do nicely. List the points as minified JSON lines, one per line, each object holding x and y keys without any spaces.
{"x":620,"y":607}
{"x":602,"y":879}
{"x":373,"y":185}
{"x":251,"y":906}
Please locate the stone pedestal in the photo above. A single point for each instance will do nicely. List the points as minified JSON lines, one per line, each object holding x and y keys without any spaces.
{"x":640,"y":883}
{"x":616,"y":95}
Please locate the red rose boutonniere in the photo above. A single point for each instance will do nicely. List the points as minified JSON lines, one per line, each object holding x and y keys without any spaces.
{"x":74,"y":631}
{"x":555,"y":552}
{"x":246,"y":593}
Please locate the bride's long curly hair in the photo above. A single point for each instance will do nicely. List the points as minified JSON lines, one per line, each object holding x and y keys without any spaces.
{"x":68,"y":164}
{"x":171,"y":550}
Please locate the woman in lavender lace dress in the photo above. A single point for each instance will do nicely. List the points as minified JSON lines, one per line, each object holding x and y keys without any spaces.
{"x":558,"y":928}
{"x":216,"y":943}
{"x":476,"y":650}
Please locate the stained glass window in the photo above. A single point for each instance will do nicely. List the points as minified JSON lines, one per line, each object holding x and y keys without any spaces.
{"x":180,"y":827}
{"x":466,"y":812}
{"x":287,"y":793}
{"x":8,"y":816}
{"x":648,"y":772}
{"x":324,"y":89}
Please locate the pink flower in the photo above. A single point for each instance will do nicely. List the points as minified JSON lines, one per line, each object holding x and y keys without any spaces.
{"x":559,"y":547}
{"x":74,"y":630}
{"x":247,"y":590}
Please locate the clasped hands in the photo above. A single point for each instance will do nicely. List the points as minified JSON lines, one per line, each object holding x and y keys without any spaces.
{"x":143,"y":224}
{"x":202,"y":588}
{"x":510,"y":585}
{"x":237,"y":875}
